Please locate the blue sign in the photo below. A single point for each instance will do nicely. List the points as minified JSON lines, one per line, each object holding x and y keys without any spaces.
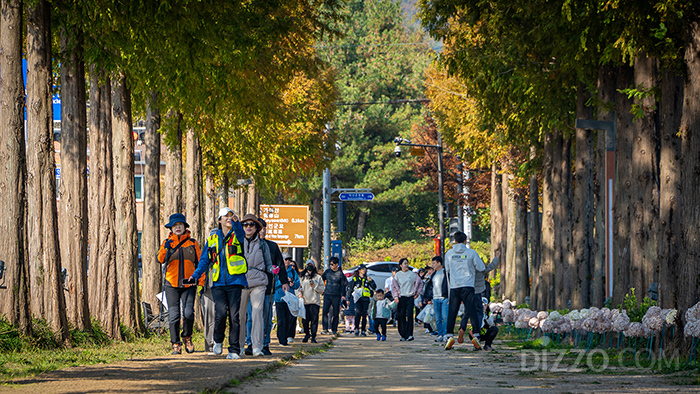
{"x":58,"y":172}
{"x":356,"y":196}
{"x":55,"y":99}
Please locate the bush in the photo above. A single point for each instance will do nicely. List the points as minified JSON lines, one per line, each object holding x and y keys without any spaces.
{"x":636,"y":310}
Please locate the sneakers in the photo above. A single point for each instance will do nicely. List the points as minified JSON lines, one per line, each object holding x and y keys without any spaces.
{"x":402,"y":339}
{"x":364,"y":333}
{"x":218,"y":348}
{"x":439,"y":339}
{"x":325,"y":332}
{"x":306,"y":338}
{"x":410,"y":338}
{"x":177,"y":349}
{"x":336,"y":334}
{"x":379,"y":337}
{"x":290,"y":340}
{"x":450,"y":343}
{"x":488,"y":347}
{"x":383,"y":337}
{"x":266,"y":351}
{"x":460,"y":337}
{"x":189,"y":346}
{"x":257,"y":353}
{"x":233,"y":356}
{"x":249,"y":350}
{"x":313,"y":340}
{"x":357,"y":333}
{"x":475,"y":341}
{"x":427,"y":331}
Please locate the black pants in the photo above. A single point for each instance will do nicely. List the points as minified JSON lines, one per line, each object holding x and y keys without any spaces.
{"x":380,"y":323}
{"x":286,"y":323}
{"x":361,"y":307}
{"x":176,"y":296}
{"x":310,"y":324}
{"x":227,"y":304}
{"x":331,"y":311}
{"x":404,"y":316}
{"x":489,"y":336}
{"x":479,"y":312}
{"x":462,"y":295}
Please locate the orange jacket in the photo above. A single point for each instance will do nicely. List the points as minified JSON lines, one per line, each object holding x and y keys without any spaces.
{"x":181,"y":262}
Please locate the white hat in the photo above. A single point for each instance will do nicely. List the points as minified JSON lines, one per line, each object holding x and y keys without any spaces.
{"x":223,"y":212}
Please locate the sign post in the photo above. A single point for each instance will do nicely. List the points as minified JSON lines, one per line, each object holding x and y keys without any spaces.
{"x":287,"y":225}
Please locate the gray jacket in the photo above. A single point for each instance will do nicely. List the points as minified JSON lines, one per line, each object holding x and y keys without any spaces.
{"x":259,"y":259}
{"x":461,"y":264}
{"x":480,"y":276}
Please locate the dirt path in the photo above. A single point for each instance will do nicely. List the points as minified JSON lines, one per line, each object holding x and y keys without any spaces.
{"x":353,"y":364}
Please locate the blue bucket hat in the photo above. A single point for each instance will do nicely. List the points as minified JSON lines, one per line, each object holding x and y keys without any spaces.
{"x":176,"y":218}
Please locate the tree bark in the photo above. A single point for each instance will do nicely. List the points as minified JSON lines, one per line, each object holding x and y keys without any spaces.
{"x":125,"y":201}
{"x":47,"y":298}
{"x":582,"y":206}
{"x":607,"y":77}
{"x":210,"y":205}
{"x":557,"y":215}
{"x":223,"y":192}
{"x":521,"y":277}
{"x":193,"y":174}
{"x":644,"y":201}
{"x":497,"y":223}
{"x":545,"y":291}
{"x":511,"y":255}
{"x":150,"y":237}
{"x":317,"y":228}
{"x":689,"y":276}
{"x":14,"y":303}
{"x":173,"y":173}
{"x":535,"y":237}
{"x":102,"y":284}
{"x":361,"y":221}
{"x":623,"y":189}
{"x":253,"y":200}
{"x":73,"y":204}
{"x":669,"y":192}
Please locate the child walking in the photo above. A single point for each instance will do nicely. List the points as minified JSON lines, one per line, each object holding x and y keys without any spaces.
{"x":312,"y":287}
{"x":380,"y":310}
{"x":349,"y":314}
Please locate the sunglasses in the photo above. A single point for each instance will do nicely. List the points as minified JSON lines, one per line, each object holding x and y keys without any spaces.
{"x":248,"y":224}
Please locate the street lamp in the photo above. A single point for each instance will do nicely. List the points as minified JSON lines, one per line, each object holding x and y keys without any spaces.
{"x":441,"y":197}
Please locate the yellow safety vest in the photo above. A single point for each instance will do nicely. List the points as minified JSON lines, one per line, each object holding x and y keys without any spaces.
{"x":235,"y":261}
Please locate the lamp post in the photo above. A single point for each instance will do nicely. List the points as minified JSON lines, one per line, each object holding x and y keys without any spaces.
{"x":441,"y":196}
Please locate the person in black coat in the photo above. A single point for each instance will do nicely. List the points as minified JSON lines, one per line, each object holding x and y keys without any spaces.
{"x":336,"y":284}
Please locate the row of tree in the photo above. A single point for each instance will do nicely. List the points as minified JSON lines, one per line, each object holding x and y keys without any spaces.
{"x":511,"y":81}
{"x":235,"y":87}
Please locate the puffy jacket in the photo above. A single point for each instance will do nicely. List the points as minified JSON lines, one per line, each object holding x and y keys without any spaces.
{"x":257,"y":254}
{"x":336,"y":282}
{"x":311,"y":294}
{"x":461,"y":264}
{"x":293,"y":277}
{"x":182,"y":255}
{"x":205,"y":263}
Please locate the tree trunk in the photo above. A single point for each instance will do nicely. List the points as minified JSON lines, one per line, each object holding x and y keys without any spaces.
{"x":173,"y":173}
{"x":545,"y":292}
{"x":317,"y":228}
{"x":644,"y":177}
{"x":102,"y":284}
{"x":193,"y":174}
{"x":623,"y":189}
{"x":73,"y":204}
{"x":535,"y":237}
{"x":125,"y":201}
{"x":557,"y":215}
{"x":511,"y":256}
{"x":223,"y":192}
{"x":253,"y":200}
{"x":47,"y":300}
{"x":669,"y":191}
{"x":210,"y":205}
{"x":14,"y":303}
{"x":497,"y":223}
{"x":361,"y":221}
{"x":566,"y":226}
{"x":521,"y":278}
{"x":689,"y":276}
{"x":607,"y":84}
{"x":582,"y":206}
{"x":150,"y":237}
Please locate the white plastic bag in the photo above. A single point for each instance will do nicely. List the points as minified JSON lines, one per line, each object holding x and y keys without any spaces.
{"x":357,"y":294}
{"x":429,"y":315}
{"x":421,"y":315}
{"x":292,"y":302}
{"x":302,"y":308}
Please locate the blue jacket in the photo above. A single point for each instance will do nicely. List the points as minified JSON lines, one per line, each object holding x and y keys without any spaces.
{"x":205,"y":263}
{"x":294,"y":283}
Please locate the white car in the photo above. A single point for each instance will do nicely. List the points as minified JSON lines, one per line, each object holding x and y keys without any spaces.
{"x":379,"y":271}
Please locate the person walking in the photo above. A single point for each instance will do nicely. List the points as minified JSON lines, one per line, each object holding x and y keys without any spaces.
{"x":336,"y":284}
{"x":279,"y":274}
{"x":436,"y":292}
{"x":361,"y":289}
{"x":257,"y":254}
{"x":461,"y":264}
{"x":311,"y":289}
{"x":286,"y":321}
{"x":479,"y":288}
{"x":223,"y":255}
{"x":406,"y":287}
{"x":180,"y":253}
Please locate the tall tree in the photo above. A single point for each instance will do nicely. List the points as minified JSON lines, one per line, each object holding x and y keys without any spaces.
{"x":173,"y":167}
{"x":102,"y":284}
{"x":15,"y":301}
{"x":73,"y":194}
{"x":195,"y":199}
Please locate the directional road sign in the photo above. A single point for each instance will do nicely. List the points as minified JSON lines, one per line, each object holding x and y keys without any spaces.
{"x":356,"y":196}
{"x":288,"y":225}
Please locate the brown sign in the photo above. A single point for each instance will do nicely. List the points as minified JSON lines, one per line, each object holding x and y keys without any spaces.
{"x":288,"y":225}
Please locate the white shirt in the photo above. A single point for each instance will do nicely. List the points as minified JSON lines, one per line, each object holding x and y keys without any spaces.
{"x":387,"y":283}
